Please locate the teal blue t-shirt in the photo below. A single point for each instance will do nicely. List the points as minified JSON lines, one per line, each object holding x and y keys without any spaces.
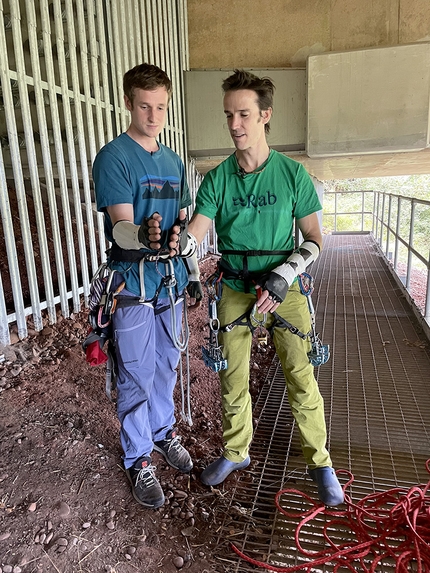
{"x":124,"y":172}
{"x":256,"y":211}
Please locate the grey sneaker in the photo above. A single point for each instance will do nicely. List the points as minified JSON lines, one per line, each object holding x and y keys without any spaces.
{"x":174,"y":454}
{"x":144,"y":485}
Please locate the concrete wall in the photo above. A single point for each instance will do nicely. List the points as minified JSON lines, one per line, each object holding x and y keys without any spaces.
{"x":283,"y":33}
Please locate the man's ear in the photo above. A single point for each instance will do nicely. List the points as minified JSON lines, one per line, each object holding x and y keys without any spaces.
{"x":266,"y":115}
{"x":128,"y":103}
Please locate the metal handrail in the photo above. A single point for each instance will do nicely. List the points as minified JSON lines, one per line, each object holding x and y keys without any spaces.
{"x":386,"y":224}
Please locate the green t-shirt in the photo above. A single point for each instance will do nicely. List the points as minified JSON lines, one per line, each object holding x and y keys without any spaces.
{"x":256,"y":211}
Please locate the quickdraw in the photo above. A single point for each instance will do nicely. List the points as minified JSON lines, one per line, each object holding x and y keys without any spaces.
{"x":319,"y":353}
{"x":212,"y":354}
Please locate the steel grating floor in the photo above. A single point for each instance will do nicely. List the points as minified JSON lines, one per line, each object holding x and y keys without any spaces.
{"x":376,"y":388}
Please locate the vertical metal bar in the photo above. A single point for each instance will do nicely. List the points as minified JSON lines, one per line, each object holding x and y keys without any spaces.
{"x":411,"y":243}
{"x":166,"y":48}
{"x":138,"y":34}
{"x":19,"y":182}
{"x":381,"y":237}
{"x":362,"y":210}
{"x":427,"y":303}
{"x":104,"y":21}
{"x":144,"y":27}
{"x":179,"y":92}
{"x":387,"y":247}
{"x":335,"y":212}
{"x":123,"y":45}
{"x":106,"y":133}
{"x":396,"y":246}
{"x":149,"y":32}
{"x":183,"y":34}
{"x":12,"y":256}
{"x":117,"y":48}
{"x":128,"y":32}
{"x":92,"y":98}
{"x":171,"y":56}
{"x":153,"y":31}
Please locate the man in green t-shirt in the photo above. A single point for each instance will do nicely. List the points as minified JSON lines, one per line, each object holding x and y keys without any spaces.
{"x":255,"y":196}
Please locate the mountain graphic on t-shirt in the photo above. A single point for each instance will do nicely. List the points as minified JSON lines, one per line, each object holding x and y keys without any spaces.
{"x":156,"y":188}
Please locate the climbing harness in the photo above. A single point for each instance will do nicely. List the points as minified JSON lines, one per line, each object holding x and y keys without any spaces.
{"x":212,"y":354}
{"x":104,"y":301}
{"x":391,"y":526}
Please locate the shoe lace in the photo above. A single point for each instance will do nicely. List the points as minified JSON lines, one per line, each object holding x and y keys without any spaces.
{"x":146,"y":475}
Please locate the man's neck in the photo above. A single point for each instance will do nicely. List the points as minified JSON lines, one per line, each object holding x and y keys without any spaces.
{"x":250,"y":159}
{"x":149,"y":144}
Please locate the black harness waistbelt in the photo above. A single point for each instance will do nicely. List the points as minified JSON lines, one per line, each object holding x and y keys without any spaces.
{"x":245,"y":274}
{"x":116,"y":253}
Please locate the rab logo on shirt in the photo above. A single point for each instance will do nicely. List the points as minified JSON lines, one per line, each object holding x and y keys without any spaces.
{"x":253,"y":201}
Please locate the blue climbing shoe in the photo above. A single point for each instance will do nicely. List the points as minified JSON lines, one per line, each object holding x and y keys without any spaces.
{"x":329,"y":488}
{"x":220,"y":469}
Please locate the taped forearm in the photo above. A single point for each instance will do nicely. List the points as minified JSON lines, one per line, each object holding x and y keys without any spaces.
{"x":190,"y":247}
{"x":281,"y":278}
{"x":126,"y":235}
{"x":192,"y":266}
{"x":298,"y":261}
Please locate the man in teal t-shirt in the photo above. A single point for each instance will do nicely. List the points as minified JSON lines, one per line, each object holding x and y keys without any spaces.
{"x":255,"y":197}
{"x":141,"y":188}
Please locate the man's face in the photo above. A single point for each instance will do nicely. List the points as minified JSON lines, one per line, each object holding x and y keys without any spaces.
{"x":244,"y":119}
{"x":148,"y":111}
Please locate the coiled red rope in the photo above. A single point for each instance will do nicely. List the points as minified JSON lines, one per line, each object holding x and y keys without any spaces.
{"x":393,"y":525}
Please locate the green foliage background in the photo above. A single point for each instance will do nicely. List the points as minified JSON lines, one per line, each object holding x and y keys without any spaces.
{"x":352,"y":205}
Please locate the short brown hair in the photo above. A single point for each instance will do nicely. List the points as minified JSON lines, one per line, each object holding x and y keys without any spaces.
{"x":145,"y":77}
{"x":263,"y":87}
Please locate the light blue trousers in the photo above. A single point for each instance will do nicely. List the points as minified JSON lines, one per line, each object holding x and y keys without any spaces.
{"x":147,"y":361}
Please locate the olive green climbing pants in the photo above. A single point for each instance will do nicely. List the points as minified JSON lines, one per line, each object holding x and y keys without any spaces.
{"x":303,"y":393}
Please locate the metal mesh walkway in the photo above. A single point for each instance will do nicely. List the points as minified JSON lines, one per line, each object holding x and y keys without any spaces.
{"x":376,"y":388}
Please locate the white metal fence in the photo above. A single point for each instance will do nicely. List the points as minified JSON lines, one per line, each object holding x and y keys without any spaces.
{"x":61,"y":70}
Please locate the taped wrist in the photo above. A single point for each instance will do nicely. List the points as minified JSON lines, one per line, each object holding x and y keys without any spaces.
{"x":282,"y":277}
{"x":192,"y":266}
{"x":190,"y":247}
{"x":126,"y":235}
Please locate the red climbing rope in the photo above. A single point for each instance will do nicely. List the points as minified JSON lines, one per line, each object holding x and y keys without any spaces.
{"x":393,"y":525}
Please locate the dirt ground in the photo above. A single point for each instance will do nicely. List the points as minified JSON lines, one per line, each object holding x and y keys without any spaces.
{"x":65,"y":502}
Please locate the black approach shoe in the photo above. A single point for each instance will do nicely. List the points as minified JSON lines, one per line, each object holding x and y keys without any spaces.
{"x":144,"y":485}
{"x":174,"y":454}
